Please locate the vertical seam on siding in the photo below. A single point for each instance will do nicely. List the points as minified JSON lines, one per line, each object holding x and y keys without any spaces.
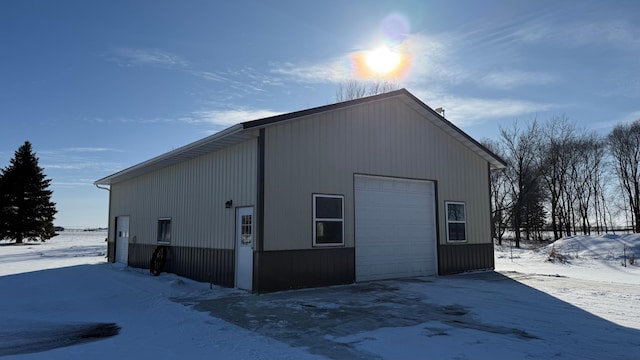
{"x":260,"y":210}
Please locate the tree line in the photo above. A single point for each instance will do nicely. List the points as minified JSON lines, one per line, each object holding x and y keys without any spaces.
{"x":26,"y":209}
{"x":563,"y":179}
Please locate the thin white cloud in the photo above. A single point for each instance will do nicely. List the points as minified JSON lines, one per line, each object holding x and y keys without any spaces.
{"x":71,"y":184}
{"x":76,"y":163}
{"x":333,"y":71}
{"x":532,"y":32}
{"x":506,"y":80}
{"x":625,"y":119}
{"x":600,"y":33}
{"x":431,"y":59}
{"x":467,"y":111}
{"x":208,"y":75}
{"x":90,"y":149}
{"x":231,"y":117}
{"x":243,"y":80}
{"x":603,"y":33}
{"x":145,"y":56}
{"x":68,"y":166}
{"x":78,"y":158}
{"x":631,"y":117}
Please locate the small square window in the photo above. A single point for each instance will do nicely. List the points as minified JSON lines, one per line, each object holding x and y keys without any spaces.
{"x":328,"y":220}
{"x":456,"y":221}
{"x":164,"y":230}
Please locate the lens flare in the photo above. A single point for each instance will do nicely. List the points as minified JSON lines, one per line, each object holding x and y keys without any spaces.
{"x":392,"y":60}
{"x":382,"y":60}
{"x":395,"y":28}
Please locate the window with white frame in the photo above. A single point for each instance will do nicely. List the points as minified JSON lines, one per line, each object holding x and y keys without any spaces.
{"x":456,"y":221}
{"x":328,"y":220}
{"x":164,"y":230}
{"x":246,"y":229}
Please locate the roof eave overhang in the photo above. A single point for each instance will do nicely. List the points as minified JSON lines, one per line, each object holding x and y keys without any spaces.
{"x":230,"y":136}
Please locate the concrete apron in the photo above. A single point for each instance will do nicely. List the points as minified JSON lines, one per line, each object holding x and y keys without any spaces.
{"x":319,"y":319}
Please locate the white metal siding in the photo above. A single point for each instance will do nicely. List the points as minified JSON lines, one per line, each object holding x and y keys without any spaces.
{"x":320,"y":154}
{"x":193,"y":194}
{"x":394,"y":228}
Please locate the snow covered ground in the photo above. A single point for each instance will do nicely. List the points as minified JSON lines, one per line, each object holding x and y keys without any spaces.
{"x":596,"y":257}
{"x":68,"y":249}
{"x":53,"y":297}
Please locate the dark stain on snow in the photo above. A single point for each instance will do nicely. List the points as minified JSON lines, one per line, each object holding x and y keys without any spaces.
{"x":38,"y":336}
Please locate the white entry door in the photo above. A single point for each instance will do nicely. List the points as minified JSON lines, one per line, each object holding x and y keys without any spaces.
{"x":244,"y":248}
{"x":122,"y":239}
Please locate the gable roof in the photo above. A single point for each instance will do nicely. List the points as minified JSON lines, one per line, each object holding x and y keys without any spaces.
{"x":246,"y":130}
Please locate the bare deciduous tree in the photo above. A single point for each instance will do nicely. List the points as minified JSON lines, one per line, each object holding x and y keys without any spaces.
{"x":523,"y":156}
{"x":558,"y":135}
{"x":583,"y":173}
{"x":624,"y":147}
{"x":557,"y":175}
{"x":500,"y":200}
{"x":354,"y":89}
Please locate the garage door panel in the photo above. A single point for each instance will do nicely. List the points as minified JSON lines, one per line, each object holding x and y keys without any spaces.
{"x":391,"y":271}
{"x":399,"y":256}
{"x":411,"y":236}
{"x":397,"y":215}
{"x":395,"y":228}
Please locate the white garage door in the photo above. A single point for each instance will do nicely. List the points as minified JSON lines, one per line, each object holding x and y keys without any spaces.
{"x":395,"y":228}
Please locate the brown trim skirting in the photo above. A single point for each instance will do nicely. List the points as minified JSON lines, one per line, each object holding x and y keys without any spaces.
{"x":216,"y":266}
{"x":292,"y":269}
{"x":453,"y":259}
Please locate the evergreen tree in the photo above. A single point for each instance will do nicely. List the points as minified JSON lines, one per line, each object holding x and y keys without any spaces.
{"x":3,"y":208}
{"x":27,"y":211}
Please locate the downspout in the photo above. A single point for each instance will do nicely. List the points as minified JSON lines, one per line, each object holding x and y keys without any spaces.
{"x":110,"y":255}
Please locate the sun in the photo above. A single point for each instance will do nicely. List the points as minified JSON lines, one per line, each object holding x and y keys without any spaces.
{"x":382,"y":60}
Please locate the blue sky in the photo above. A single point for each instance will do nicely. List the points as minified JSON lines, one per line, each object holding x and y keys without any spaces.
{"x":98,"y":86}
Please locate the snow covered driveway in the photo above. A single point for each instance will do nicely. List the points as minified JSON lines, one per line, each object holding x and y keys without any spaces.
{"x":473,"y":316}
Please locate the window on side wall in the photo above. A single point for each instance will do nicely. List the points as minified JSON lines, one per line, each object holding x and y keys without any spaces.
{"x":328,"y":220}
{"x":164,"y":230}
{"x":456,"y":221}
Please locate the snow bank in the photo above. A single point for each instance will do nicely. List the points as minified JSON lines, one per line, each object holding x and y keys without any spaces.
{"x":600,"y":258}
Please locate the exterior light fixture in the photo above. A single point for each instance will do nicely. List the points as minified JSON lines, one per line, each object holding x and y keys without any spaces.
{"x":228,"y":204}
{"x":440,"y":111}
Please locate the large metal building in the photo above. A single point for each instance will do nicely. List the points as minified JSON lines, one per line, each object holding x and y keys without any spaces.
{"x":375,"y":188}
